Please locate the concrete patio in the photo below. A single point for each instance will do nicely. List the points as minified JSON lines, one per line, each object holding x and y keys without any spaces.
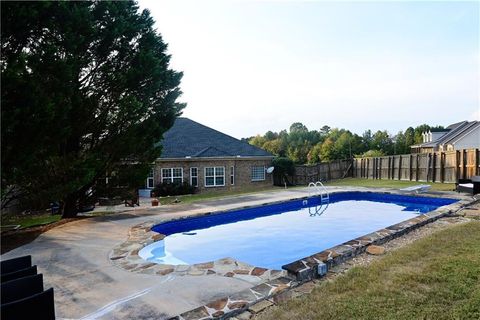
{"x":74,"y":259}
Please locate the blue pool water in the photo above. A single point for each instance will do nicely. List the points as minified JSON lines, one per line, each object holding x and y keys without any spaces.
{"x":273,"y":235}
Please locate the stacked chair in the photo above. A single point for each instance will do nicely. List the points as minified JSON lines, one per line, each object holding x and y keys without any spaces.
{"x":22,"y":295}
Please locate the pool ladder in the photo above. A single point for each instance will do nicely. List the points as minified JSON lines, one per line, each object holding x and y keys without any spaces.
{"x":317,"y":189}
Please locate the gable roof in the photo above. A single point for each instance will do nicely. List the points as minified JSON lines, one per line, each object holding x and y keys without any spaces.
{"x":187,"y":138}
{"x":468,"y":130}
{"x":455,"y":130}
{"x":454,"y":125}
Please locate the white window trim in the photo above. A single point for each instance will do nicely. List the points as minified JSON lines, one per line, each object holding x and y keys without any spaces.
{"x":148,"y":178}
{"x":264,"y":175}
{"x":214,"y":177}
{"x":232,"y":175}
{"x":171,"y":173}
{"x":191,"y":176}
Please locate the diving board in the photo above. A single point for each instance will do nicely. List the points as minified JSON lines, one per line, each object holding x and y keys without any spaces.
{"x":417,"y":189}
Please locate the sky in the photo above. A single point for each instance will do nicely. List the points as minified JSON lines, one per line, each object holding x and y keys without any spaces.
{"x":254,"y":66}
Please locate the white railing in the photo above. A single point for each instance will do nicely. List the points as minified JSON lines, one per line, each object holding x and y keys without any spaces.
{"x":317,"y":189}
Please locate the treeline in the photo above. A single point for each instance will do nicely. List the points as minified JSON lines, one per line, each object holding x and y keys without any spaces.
{"x":312,"y":146}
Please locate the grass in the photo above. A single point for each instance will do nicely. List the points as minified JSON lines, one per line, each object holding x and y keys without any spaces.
{"x":358,"y":182}
{"x":190,"y":198}
{"x":26,"y":221}
{"x":42,"y":219}
{"x":347,"y":182}
{"x":437,"y":277}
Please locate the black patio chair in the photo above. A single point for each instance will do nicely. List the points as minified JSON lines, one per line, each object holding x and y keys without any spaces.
{"x":15,"y":264}
{"x":19,"y":274}
{"x":461,"y":185}
{"x":40,"y":306}
{"x":21,"y":288}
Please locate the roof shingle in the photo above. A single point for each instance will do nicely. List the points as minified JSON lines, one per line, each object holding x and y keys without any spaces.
{"x":187,"y":138}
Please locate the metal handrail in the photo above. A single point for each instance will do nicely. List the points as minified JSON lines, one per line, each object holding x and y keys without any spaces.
{"x":325,"y":195}
{"x":310,"y":186}
{"x":319,"y":190}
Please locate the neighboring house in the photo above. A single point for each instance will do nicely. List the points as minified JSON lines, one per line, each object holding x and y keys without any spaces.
{"x":461,"y":135}
{"x":209,"y":159}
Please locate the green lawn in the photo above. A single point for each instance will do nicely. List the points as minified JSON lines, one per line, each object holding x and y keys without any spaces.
{"x":26,"y":221}
{"x":358,"y":182}
{"x":352,"y":182}
{"x":189,"y":198}
{"x":437,"y":277}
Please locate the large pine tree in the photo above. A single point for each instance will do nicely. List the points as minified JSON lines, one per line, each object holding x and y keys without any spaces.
{"x":86,"y":86}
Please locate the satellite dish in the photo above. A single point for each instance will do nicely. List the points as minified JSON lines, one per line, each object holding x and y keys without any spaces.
{"x":270,"y":169}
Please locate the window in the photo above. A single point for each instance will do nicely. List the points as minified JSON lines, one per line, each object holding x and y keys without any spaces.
{"x":258,"y":173}
{"x":150,"y":180}
{"x":172,"y":175}
{"x":194,"y":177}
{"x":214,"y":176}
{"x":232,"y":175}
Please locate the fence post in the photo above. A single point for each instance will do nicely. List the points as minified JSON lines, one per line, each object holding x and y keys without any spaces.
{"x":362,"y":169}
{"x":434,"y":167}
{"x":376,"y":167}
{"x":416,"y":168}
{"x":373,"y":168}
{"x":410,"y":168}
{"x":374,"y":160}
{"x":477,"y":162}
{"x":368,"y":165}
{"x":442,"y":167}
{"x":428,"y":165}
{"x":464,"y":163}
{"x":393,"y":168}
{"x":388,"y":168}
{"x":400,"y":168}
{"x":381,"y":163}
{"x":457,"y":165}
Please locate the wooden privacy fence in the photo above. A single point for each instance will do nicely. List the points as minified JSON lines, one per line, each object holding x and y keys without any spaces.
{"x":324,"y":171}
{"x":446,"y":166}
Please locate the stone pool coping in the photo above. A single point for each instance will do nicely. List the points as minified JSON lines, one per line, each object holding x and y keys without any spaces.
{"x":307,"y":268}
{"x":125,"y":255}
{"x":275,"y":282}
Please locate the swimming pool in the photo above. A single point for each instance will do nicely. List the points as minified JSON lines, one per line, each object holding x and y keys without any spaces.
{"x":270,"y":236}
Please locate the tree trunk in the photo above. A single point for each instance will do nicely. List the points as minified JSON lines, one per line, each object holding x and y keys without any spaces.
{"x":69,"y":206}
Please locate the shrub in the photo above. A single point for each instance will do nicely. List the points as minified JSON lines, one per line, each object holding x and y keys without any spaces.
{"x":173,"y":189}
{"x":284,"y":168}
{"x":372,"y":153}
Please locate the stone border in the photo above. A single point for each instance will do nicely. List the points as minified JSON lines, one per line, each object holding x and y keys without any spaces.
{"x":239,"y":302}
{"x":308,"y":268}
{"x":125,"y":256}
{"x":276,"y":282}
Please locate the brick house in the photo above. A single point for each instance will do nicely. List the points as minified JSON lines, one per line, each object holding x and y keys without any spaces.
{"x":209,"y":160}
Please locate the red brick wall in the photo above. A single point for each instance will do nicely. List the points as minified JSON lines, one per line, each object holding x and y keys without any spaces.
{"x":242,"y":172}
